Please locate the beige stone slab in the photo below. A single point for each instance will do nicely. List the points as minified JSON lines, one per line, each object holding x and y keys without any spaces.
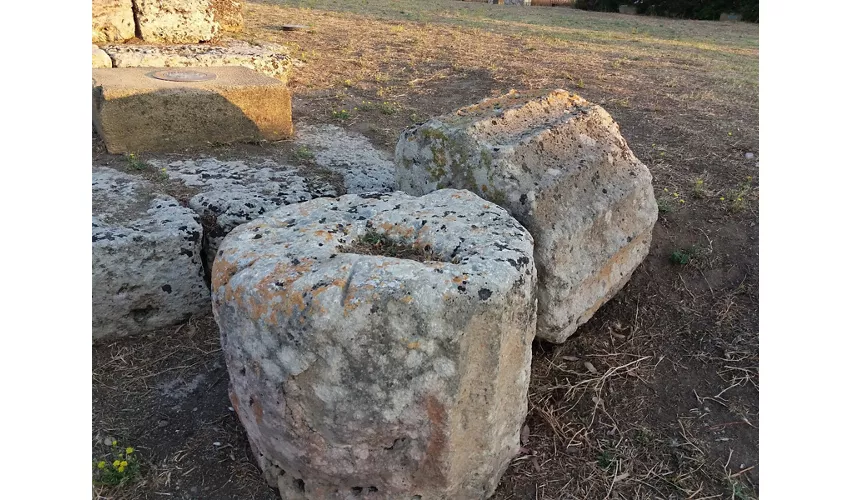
{"x":134,"y":112}
{"x":112,"y":21}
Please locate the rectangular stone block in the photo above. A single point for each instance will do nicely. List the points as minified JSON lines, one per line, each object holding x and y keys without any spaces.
{"x":176,"y":21}
{"x":134,"y":111}
{"x":559,"y":165}
{"x":112,"y":21}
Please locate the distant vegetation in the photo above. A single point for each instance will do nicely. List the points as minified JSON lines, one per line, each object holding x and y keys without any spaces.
{"x":688,"y":9}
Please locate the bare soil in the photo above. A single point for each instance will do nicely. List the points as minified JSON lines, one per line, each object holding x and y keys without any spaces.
{"x":657,"y":396}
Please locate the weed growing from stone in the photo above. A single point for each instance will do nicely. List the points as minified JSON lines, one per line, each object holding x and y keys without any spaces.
{"x":738,"y":197}
{"x":119,"y":466}
{"x":303,"y":154}
{"x":375,"y":243}
{"x":135,"y":162}
{"x":699,"y":188}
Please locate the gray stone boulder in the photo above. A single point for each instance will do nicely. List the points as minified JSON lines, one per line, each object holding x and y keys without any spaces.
{"x":363,"y":168}
{"x":269,"y":59}
{"x":146,"y":257}
{"x":379,"y":346}
{"x":176,"y":21}
{"x":112,"y":21}
{"x":236,"y":192}
{"x":560,"y":166}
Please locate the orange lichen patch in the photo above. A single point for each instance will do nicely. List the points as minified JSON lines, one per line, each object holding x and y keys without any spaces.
{"x":234,"y":401}
{"x":324,"y":234}
{"x":430,"y":467}
{"x":457,"y":280}
{"x":407,"y":299}
{"x":413,"y":345}
{"x":257,"y":409}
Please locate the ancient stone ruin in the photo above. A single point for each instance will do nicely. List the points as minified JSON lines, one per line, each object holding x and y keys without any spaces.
{"x":560,"y":166}
{"x":358,"y":368}
{"x":378,"y":342}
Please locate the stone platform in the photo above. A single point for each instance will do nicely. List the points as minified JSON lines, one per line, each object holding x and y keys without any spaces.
{"x":269,"y":59}
{"x":133,"y":111}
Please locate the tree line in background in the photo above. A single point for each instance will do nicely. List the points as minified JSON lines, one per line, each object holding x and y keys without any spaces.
{"x":688,"y":9}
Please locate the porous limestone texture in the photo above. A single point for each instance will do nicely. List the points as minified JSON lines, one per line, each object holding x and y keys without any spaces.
{"x":560,"y":166}
{"x":112,"y":21}
{"x":236,"y":192}
{"x":364,"y":169}
{"x":269,"y":59}
{"x":175,"y":21}
{"x":99,"y":58}
{"x":228,"y":14}
{"x":359,"y":375}
{"x":146,"y":257}
{"x":135,"y":112}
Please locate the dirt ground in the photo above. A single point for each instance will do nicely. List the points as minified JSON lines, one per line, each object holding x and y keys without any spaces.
{"x":658,"y":395}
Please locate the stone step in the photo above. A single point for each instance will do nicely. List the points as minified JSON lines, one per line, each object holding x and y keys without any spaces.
{"x":137,"y":110}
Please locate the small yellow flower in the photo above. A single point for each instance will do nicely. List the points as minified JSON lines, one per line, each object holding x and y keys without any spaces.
{"x":730,"y":133}
{"x":740,"y":199}
{"x":675,"y":195}
{"x":101,"y":464}
{"x":666,"y":191}
{"x":116,"y":463}
{"x":681,"y":201}
{"x":123,"y":463}
{"x":130,"y":450}
{"x":114,"y":443}
{"x":121,"y":469}
{"x":722,"y":199}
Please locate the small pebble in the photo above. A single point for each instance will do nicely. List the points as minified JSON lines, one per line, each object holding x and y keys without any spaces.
{"x":230,"y":408}
{"x":749,"y":156}
{"x":217,"y":443}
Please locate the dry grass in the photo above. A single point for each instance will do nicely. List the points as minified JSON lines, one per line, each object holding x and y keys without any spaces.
{"x":657,"y":396}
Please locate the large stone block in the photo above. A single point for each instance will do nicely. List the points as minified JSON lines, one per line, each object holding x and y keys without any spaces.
{"x":112,"y":21}
{"x":560,"y":166}
{"x":357,"y":373}
{"x":134,"y":112}
{"x":176,"y":21}
{"x":99,"y":58}
{"x":228,"y":14}
{"x":146,"y":257}
{"x":235,"y":192}
{"x":269,"y":59}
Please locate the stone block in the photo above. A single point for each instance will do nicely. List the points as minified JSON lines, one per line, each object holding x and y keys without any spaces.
{"x":99,"y":58}
{"x":176,"y":21}
{"x":146,"y":258}
{"x":112,"y":21}
{"x":560,"y":166}
{"x":269,"y":59}
{"x":228,"y":14}
{"x":359,"y":369}
{"x":133,"y":111}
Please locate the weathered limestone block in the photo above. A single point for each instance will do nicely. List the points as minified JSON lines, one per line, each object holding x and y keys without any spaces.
{"x":146,"y":257}
{"x":368,"y":375}
{"x":269,"y":59}
{"x":364,"y":169}
{"x":236,"y":192}
{"x":112,"y":21}
{"x":228,"y":14}
{"x":175,"y":21}
{"x":560,"y":166}
{"x":99,"y":58}
{"x":133,"y":111}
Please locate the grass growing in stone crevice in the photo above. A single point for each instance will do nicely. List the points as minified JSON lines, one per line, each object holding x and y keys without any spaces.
{"x":375,"y":243}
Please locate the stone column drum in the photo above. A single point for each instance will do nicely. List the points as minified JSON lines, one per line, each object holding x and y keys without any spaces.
{"x":560,"y":166}
{"x":360,"y":375}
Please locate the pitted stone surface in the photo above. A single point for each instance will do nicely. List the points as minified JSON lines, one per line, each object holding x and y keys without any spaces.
{"x":175,"y":21}
{"x":269,"y":59}
{"x":99,"y":58}
{"x":228,"y":14}
{"x":146,"y":257}
{"x":236,"y":192}
{"x":377,"y":376}
{"x":559,"y":164}
{"x":364,"y":168}
{"x":112,"y":21}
